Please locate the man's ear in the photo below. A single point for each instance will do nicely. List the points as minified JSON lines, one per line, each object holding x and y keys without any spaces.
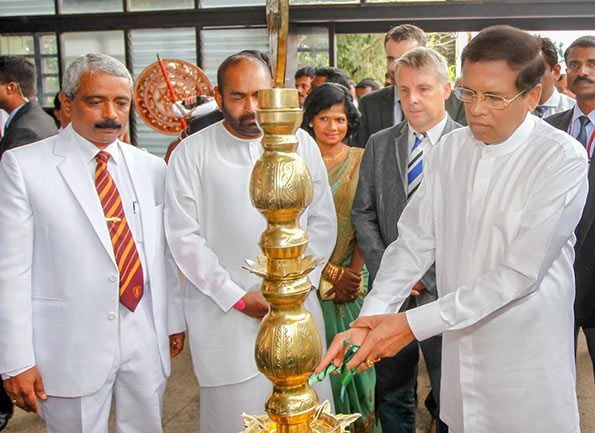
{"x":533,"y":96}
{"x":218,"y":98}
{"x":556,"y":70}
{"x":447,"y":90}
{"x":66,"y":103}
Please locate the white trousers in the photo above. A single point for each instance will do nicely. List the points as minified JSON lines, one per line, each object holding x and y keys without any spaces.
{"x":136,"y":384}
{"x":221,"y":407}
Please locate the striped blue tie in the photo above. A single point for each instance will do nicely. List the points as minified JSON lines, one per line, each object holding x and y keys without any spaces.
{"x":415,"y":167}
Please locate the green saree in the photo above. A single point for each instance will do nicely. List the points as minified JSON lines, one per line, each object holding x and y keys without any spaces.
{"x":359,"y":395}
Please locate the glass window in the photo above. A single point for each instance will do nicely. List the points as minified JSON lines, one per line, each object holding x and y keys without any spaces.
{"x":87,"y":6}
{"x":228,"y":3}
{"x":179,"y":43}
{"x":309,"y":2}
{"x":78,"y":43}
{"x":312,"y":47}
{"x":147,"y":5}
{"x":17,"y":45}
{"x":26,"y":7}
{"x":220,"y":44}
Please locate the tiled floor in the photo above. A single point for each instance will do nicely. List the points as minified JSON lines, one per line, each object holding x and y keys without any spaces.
{"x":181,"y":405}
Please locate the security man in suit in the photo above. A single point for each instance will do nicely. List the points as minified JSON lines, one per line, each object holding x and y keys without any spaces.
{"x":390,"y":173}
{"x":579,"y":122}
{"x":27,"y":122}
{"x":89,"y":293}
{"x":382,"y":109}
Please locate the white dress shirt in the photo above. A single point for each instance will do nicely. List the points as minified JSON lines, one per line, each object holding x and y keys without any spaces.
{"x":499,"y":222}
{"x":556,"y":103}
{"x":430,"y":138}
{"x":212,"y":228}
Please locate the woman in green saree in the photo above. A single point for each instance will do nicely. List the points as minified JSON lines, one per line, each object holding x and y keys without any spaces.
{"x":330,"y":117}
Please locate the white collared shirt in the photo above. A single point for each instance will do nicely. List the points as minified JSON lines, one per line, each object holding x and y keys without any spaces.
{"x":498,"y":220}
{"x":556,"y":103}
{"x":575,"y":127}
{"x":397,"y":110}
{"x":429,"y":138}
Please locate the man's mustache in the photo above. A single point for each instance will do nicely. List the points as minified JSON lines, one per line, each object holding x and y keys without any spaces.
{"x":108,"y":124}
{"x":587,"y":79}
{"x":248,"y":117}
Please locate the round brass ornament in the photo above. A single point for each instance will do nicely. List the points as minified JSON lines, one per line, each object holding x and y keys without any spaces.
{"x":152,"y":99}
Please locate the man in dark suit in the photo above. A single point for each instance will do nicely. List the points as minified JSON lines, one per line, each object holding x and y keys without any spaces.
{"x":379,"y":109}
{"x":579,"y":122}
{"x":27,"y":122}
{"x":390,"y":173}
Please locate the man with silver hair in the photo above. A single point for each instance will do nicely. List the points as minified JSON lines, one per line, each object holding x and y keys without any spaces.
{"x":90,"y":305}
{"x":390,"y":173}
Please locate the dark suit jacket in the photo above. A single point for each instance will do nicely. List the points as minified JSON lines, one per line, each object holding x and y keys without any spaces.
{"x":29,"y":125}
{"x":584,"y":263}
{"x":381,"y":196}
{"x":377,"y":110}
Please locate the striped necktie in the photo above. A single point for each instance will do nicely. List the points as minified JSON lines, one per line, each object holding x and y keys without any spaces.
{"x":129,"y":265}
{"x":540,"y":111}
{"x":415,"y":167}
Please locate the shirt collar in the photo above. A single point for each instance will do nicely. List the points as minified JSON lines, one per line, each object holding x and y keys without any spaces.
{"x":553,"y":100}
{"x":397,"y":97}
{"x":238,"y":139}
{"x":516,"y":140}
{"x":89,"y":150}
{"x":432,"y":134}
{"x":577,"y":112}
{"x":12,"y":114}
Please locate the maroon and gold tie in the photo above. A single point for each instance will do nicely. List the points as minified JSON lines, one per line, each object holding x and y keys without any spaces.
{"x":131,"y":271}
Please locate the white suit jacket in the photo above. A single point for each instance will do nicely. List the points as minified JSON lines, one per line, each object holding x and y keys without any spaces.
{"x":58,"y":275}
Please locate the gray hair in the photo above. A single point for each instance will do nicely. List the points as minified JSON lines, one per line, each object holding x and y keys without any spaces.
{"x":422,"y":57}
{"x":92,"y":63}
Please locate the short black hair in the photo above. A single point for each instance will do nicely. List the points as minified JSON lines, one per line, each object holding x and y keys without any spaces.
{"x":261,"y":57}
{"x":368,"y":82}
{"x":333,"y":75}
{"x":583,"y":42}
{"x":406,"y":32}
{"x":57,"y":103}
{"x":20,"y":70}
{"x":548,"y":49}
{"x":323,"y":98}
{"x":520,"y":51}
{"x":307,"y":71}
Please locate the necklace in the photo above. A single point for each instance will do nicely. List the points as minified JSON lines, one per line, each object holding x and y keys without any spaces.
{"x":334,"y":158}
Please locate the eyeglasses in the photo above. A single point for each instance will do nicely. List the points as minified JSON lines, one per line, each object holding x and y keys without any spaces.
{"x":495,"y":102}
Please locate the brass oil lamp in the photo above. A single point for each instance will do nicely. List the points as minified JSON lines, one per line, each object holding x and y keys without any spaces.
{"x":288,"y":345}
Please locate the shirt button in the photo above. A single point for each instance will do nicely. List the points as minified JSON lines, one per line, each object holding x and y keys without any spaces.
{"x":113,"y":278}
{"x":111,"y":316}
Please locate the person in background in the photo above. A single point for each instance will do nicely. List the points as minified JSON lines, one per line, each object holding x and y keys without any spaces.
{"x":324,"y":74}
{"x":303,"y":77}
{"x":579,"y":121}
{"x":27,"y":122}
{"x":331,"y":116}
{"x":562,"y":86}
{"x":551,"y":101}
{"x":366,"y":86}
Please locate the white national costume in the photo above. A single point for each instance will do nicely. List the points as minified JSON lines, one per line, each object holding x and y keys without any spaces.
{"x":499,"y":221}
{"x":212,"y":228}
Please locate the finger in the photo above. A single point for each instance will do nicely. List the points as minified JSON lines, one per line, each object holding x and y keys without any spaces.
{"x":361,"y":355}
{"x":29,"y":401}
{"x":415,"y":292}
{"x":335,"y":351}
{"x":39,"y":389}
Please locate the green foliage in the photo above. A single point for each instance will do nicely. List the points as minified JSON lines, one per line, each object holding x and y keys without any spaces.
{"x":362,"y":56}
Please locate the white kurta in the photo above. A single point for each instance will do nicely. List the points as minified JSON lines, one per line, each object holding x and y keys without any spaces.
{"x":212,"y":228}
{"x":557,"y":103}
{"x":499,"y":222}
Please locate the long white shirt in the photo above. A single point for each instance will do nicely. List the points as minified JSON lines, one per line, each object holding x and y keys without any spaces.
{"x":212,"y":227}
{"x":499,"y":221}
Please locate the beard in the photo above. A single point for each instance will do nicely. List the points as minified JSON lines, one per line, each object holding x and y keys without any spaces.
{"x":244,"y":125}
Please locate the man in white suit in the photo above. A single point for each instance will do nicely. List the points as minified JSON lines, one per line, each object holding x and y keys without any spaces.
{"x":72,"y":338}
